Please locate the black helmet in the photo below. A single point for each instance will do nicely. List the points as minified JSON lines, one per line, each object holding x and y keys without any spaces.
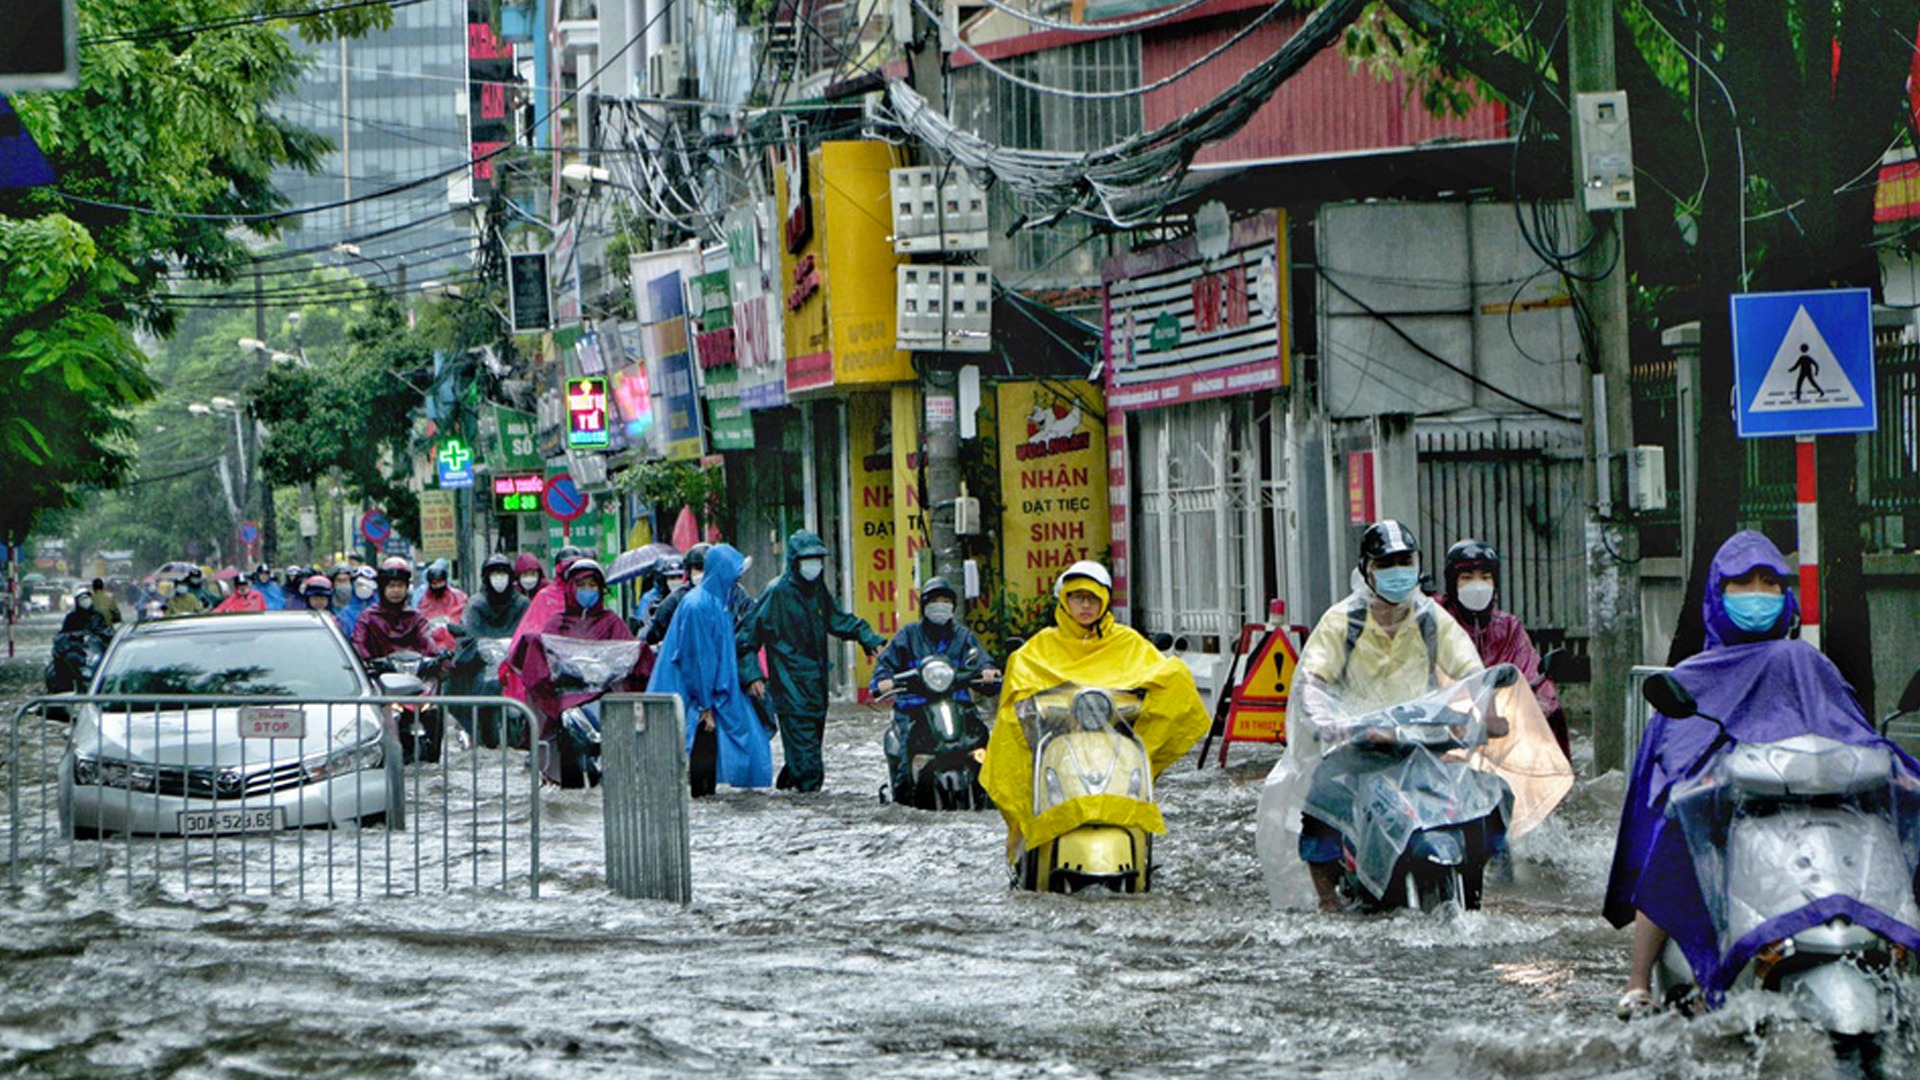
{"x":394,"y":568}
{"x":438,"y":570}
{"x":496,"y":561}
{"x":936,"y":585}
{"x":568,"y":552}
{"x":696,"y":557}
{"x":1384,"y":538}
{"x":263,"y":572}
{"x":1471,"y":554}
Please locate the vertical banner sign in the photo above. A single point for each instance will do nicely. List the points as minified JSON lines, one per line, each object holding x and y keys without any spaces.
{"x":660,"y":299}
{"x":803,"y":273}
{"x":489,"y":73}
{"x":729,"y":427}
{"x":755,"y":316}
{"x":632,"y":395}
{"x":870,"y":467}
{"x":586,"y":413}
{"x":909,"y":523}
{"x":1053,"y":481}
{"x":861,"y":317}
{"x":515,"y":444}
{"x":439,"y":534}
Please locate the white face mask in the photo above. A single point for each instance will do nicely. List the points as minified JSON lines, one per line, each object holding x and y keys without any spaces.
{"x":364,"y":589}
{"x":529,"y":581}
{"x":810,"y":569}
{"x":696,"y":576}
{"x":499,"y":582}
{"x":940,"y":612}
{"x":84,"y":602}
{"x":1475,"y":595}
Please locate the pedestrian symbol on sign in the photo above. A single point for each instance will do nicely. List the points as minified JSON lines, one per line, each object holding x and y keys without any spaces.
{"x":1804,"y":373}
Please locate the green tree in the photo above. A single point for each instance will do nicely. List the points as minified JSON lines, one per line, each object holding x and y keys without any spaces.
{"x":1757,"y":127}
{"x":163,"y":148}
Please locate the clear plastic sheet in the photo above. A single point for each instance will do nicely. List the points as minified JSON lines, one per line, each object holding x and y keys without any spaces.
{"x":581,"y":665}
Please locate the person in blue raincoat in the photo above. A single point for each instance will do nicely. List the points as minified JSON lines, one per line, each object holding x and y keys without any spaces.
{"x":1764,"y":686}
{"x":726,"y":743}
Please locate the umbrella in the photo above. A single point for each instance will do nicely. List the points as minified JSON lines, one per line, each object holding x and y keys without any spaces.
{"x":631,"y":564}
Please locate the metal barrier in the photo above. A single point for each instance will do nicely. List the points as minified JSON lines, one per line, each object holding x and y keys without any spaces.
{"x":648,"y":807}
{"x":265,"y":800}
{"x":1638,"y":713}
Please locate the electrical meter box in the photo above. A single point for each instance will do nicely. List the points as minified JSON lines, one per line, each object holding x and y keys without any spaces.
{"x":1606,"y":151}
{"x":1647,"y":478}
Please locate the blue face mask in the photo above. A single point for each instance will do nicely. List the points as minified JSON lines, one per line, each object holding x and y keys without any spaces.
{"x":1394,"y":584}
{"x":586,"y":597}
{"x":1754,"y":612}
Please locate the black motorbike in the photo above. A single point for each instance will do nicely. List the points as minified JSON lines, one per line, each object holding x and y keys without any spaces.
{"x":937,"y":765}
{"x":76,"y":656}
{"x":421,"y":728}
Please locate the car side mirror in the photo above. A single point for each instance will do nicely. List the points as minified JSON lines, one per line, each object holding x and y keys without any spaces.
{"x":1665,"y":694}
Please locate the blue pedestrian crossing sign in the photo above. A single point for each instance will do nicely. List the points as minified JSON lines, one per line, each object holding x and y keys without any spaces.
{"x":1803,"y":362}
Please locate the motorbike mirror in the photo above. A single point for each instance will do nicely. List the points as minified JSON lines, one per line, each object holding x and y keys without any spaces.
{"x":1501,"y":676}
{"x":1665,"y":693}
{"x":1162,"y":641}
{"x":1910,"y":698}
{"x":1551,"y":662}
{"x":402,"y":685}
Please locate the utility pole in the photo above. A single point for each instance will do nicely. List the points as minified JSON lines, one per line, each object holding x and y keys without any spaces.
{"x":1600,"y":286}
{"x":269,"y":535}
{"x":939,"y":380}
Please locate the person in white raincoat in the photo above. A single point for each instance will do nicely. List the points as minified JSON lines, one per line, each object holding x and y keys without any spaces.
{"x":1384,"y":644}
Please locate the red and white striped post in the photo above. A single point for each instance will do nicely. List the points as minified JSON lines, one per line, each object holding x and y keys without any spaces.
{"x":1807,"y":495}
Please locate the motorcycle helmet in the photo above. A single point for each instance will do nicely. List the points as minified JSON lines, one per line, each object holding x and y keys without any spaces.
{"x":585,"y":566}
{"x":317,"y":585}
{"x":262,"y":573}
{"x":438,"y":570}
{"x":934,"y":586}
{"x":696,"y":557}
{"x":1085,"y":568}
{"x":296,"y":574}
{"x":394,"y":568}
{"x":1471,"y":554}
{"x":1384,"y":538}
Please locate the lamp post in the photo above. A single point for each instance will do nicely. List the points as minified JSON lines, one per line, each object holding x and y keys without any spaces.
{"x":396,"y":280}
{"x":234,"y":481}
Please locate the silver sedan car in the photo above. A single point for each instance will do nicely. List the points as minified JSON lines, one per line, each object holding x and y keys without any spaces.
{"x":144,"y":768}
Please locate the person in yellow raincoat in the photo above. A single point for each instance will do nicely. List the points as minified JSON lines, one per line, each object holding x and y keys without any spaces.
{"x":1086,"y":646}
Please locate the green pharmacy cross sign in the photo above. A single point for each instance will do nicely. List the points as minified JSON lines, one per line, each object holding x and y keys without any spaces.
{"x":454,"y":461}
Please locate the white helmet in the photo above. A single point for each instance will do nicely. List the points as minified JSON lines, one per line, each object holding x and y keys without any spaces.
{"x":1085,"y":568}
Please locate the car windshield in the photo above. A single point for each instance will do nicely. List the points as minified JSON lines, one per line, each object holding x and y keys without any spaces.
{"x":282,"y":661}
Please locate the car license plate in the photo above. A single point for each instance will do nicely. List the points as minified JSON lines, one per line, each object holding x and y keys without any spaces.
{"x":233,"y":819}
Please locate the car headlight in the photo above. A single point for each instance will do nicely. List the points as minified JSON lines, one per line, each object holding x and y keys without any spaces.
{"x":937,"y":676}
{"x":352,"y":759}
{"x":114,"y":773}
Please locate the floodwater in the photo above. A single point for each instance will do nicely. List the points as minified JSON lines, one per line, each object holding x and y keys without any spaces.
{"x":833,"y":935}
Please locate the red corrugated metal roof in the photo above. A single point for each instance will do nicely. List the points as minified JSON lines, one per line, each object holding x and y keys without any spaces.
{"x":1329,"y":107}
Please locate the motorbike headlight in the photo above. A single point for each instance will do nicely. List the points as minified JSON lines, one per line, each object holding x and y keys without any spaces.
{"x":937,"y":676}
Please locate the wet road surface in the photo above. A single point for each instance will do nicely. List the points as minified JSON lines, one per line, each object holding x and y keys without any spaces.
{"x":832,"y":935}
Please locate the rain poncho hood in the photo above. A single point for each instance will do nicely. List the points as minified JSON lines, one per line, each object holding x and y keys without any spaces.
{"x":528,"y":563}
{"x":697,"y":662}
{"x":1427,"y":650}
{"x":1763,"y":691}
{"x":1738,"y":557}
{"x":1171,"y":720}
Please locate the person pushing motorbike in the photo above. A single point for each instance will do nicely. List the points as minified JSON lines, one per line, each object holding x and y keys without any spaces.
{"x":938,"y":633}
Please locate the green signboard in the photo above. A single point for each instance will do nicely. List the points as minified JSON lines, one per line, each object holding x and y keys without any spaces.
{"x":516,"y":441}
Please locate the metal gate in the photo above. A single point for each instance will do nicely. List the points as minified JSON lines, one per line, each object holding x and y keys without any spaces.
{"x":305,"y":798}
{"x":1523,"y":492}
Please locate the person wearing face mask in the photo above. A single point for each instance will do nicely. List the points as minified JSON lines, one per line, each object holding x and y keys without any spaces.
{"x":245,"y":597}
{"x":494,"y":612}
{"x":441,"y":602}
{"x":1472,"y":597}
{"x":1386,"y":643}
{"x":792,"y":621}
{"x":105,"y":602}
{"x":1763,"y":686}
{"x":183,"y":600}
{"x":653,"y":626}
{"x":528,"y":574}
{"x":938,"y":633}
{"x":362,"y":593}
{"x":86,"y":616}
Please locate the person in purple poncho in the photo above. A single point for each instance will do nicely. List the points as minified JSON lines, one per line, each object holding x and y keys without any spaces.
{"x":1764,"y":686}
{"x":726,"y":742}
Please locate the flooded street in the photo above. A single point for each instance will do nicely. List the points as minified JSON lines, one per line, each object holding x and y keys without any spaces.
{"x":832,"y":935}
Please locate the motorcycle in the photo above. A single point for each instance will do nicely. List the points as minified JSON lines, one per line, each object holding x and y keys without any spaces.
{"x":945,"y":739}
{"x":578,"y":673}
{"x":1775,"y":828}
{"x":421,"y":728}
{"x":70,"y":668}
{"x":1084,"y":747}
{"x":1421,"y":793}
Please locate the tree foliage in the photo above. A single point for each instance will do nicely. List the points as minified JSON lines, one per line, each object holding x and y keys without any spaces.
{"x":165,"y":143}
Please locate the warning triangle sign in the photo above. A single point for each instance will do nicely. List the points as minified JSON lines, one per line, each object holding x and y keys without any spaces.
{"x":1805,"y":374}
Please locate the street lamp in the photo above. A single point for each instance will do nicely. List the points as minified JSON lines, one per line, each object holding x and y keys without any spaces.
{"x":237,"y":502}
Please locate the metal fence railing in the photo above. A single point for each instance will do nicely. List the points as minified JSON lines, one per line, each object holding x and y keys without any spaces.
{"x":306,"y":798}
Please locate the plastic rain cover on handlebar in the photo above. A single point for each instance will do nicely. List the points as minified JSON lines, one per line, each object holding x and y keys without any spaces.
{"x":1763,"y":854}
{"x":585,"y":666}
{"x":1322,"y":725}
